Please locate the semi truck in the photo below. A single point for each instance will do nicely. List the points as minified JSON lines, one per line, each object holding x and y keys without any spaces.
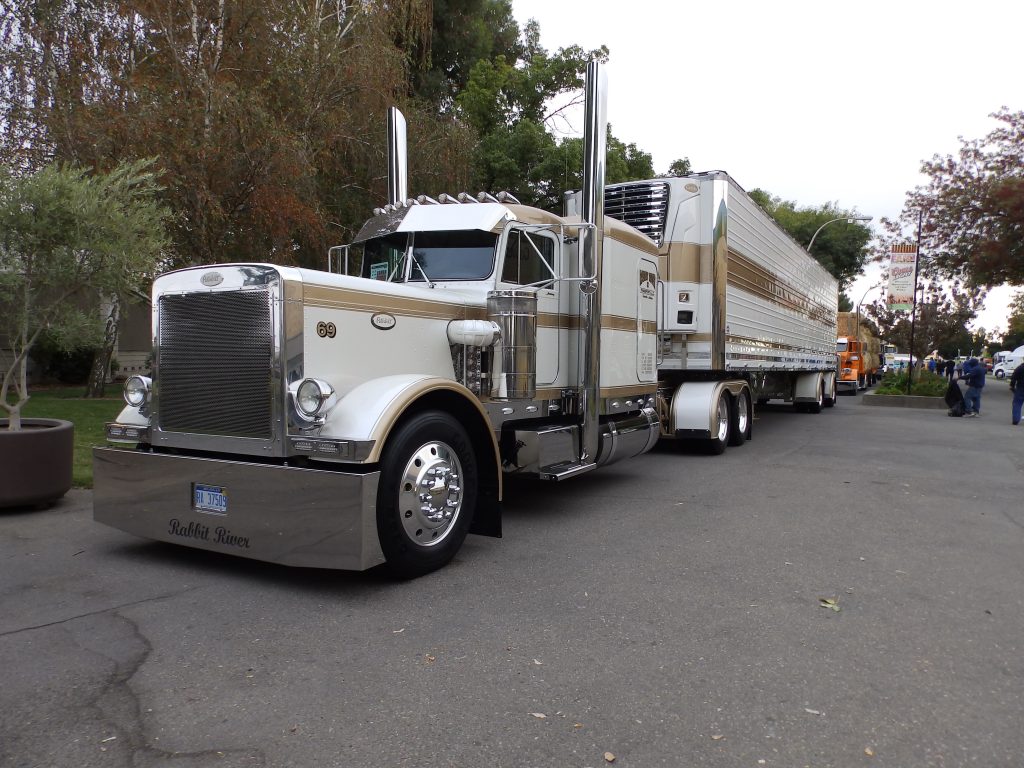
{"x":860,"y":353}
{"x":368,"y":414}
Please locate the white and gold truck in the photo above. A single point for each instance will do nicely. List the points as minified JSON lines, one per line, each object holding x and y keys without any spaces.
{"x":367,"y":414}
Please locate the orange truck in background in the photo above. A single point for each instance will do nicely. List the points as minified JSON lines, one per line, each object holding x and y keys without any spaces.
{"x":860,"y":354}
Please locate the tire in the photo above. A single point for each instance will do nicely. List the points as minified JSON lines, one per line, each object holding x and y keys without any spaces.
{"x":418,"y":535}
{"x":1000,"y":374}
{"x":815,"y":407}
{"x":723,"y":419}
{"x":741,"y":417}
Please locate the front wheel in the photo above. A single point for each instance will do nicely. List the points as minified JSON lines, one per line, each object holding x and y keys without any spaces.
{"x":1000,"y":374}
{"x":427,"y":493}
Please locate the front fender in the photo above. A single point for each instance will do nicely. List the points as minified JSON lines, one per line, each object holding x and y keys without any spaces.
{"x":371,"y":410}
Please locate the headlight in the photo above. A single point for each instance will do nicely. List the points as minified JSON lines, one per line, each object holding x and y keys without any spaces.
{"x":136,"y":390}
{"x":311,"y":396}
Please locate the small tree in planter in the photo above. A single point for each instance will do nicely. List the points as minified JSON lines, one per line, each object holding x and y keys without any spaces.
{"x":68,"y":237}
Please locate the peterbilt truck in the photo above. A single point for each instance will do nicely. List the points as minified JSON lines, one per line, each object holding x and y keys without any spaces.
{"x":860,"y":353}
{"x":368,"y":414}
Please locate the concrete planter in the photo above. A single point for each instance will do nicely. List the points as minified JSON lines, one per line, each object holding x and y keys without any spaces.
{"x":35,"y":462}
{"x":905,"y":401}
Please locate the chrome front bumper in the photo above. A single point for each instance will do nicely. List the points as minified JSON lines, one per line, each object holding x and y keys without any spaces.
{"x":302,"y":517}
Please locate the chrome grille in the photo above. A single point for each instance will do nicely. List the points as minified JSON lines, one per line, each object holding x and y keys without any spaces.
{"x":214,"y":363}
{"x":643,"y":206}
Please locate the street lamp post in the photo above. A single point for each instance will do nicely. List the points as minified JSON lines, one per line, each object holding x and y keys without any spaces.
{"x":847,"y":219}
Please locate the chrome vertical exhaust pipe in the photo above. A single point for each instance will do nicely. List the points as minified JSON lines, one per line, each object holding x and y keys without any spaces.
{"x":592,"y":211}
{"x":398,"y":158}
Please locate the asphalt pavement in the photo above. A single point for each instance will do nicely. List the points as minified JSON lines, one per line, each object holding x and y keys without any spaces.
{"x":844,"y":590}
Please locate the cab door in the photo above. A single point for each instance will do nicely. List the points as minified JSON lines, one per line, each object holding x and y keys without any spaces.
{"x":531,"y":259}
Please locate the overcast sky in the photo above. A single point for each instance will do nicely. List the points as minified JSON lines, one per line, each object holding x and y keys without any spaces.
{"x":813,"y":101}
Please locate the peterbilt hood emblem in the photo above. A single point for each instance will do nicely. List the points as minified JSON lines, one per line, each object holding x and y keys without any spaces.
{"x":210,"y":279}
{"x":383,"y":321}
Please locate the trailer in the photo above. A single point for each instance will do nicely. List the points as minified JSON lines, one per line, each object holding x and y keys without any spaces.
{"x":367,"y":414}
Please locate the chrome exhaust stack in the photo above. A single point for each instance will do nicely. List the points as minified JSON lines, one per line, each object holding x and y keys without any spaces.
{"x":592,"y":243}
{"x":398,"y":158}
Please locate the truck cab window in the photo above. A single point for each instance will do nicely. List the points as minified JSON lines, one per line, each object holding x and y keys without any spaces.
{"x":841,"y":346}
{"x":382,"y":257}
{"x":529,"y":257}
{"x":458,"y":255}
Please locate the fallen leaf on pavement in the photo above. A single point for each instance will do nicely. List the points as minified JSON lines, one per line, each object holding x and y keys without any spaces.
{"x":869,"y":751}
{"x":828,"y":602}
{"x":717,"y":737}
{"x":539,"y":715}
{"x":609,"y":757}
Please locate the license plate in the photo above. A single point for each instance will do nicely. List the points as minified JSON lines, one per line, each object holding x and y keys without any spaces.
{"x":209,"y":498}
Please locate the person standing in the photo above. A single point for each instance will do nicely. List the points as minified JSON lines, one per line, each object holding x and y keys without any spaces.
{"x":1017,"y":387}
{"x":950,"y":367}
{"x":974,"y":375}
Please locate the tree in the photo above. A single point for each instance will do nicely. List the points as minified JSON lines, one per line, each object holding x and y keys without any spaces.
{"x":266,"y":115}
{"x":507,"y":104}
{"x":973,"y":204}
{"x":680,"y":167}
{"x":944,"y":312}
{"x":1014,"y":336}
{"x":67,"y":239}
{"x":463,"y":33}
{"x":841,"y":247}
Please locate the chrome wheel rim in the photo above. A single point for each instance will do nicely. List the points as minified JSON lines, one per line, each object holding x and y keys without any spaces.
{"x":723,"y":419}
{"x":430,"y":497}
{"x":742,"y":414}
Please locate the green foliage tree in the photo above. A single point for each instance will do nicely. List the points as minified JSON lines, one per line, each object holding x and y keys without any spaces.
{"x":680,"y":167}
{"x":973,"y":207}
{"x":463,"y":33}
{"x":1014,"y":336}
{"x":67,"y":240}
{"x":507,"y":102}
{"x":944,"y":312}
{"x":841,"y":247}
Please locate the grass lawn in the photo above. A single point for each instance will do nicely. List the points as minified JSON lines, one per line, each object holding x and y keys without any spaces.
{"x":88,"y":416}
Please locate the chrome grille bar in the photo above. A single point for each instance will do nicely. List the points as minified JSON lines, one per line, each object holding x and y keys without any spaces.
{"x":643,"y":206}
{"x":214,"y":360}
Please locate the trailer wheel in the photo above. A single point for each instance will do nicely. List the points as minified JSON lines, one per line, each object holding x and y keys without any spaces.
{"x":830,"y":401}
{"x":721,"y":426}
{"x":739,"y":429}
{"x":427,"y":493}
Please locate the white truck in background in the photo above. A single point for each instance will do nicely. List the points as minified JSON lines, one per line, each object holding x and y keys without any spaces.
{"x":346,"y":420}
{"x":1005,"y":362}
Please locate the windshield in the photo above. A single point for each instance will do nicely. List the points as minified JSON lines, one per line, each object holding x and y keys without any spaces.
{"x":841,"y":346}
{"x":461,"y":255}
{"x":437,"y":256}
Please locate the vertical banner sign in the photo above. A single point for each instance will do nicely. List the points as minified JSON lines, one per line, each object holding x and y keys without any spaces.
{"x":902,"y":267}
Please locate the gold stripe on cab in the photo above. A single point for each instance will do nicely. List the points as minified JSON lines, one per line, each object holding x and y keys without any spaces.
{"x":358,"y":301}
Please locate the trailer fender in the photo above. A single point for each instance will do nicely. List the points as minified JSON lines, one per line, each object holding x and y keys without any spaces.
{"x":371,"y":411}
{"x":808,"y":387}
{"x":829,"y":380}
{"x":695,"y":406}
